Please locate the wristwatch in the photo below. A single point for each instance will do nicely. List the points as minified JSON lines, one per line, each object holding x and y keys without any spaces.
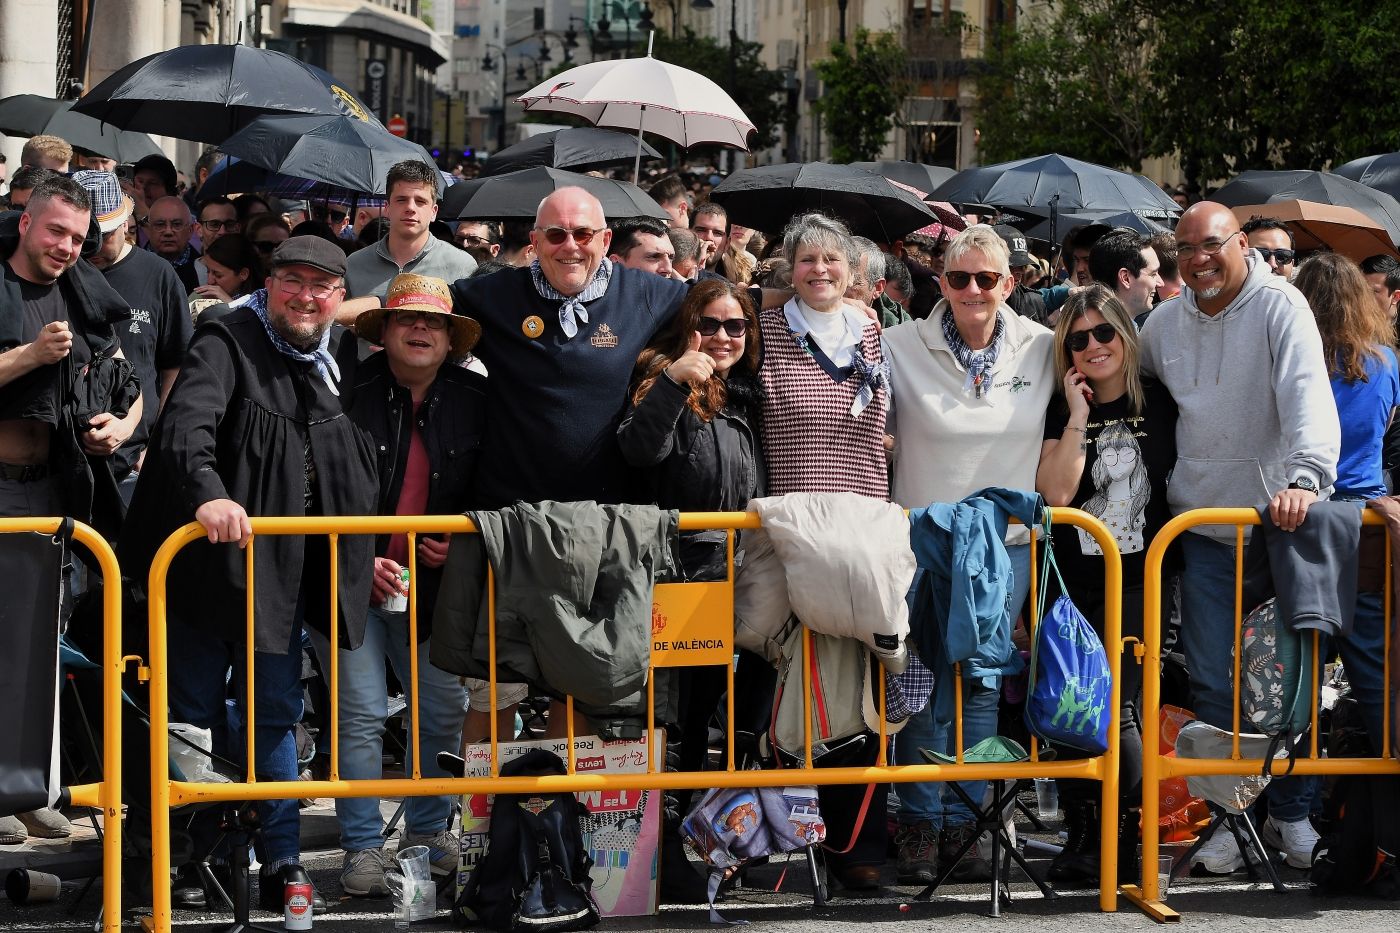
{"x":1304,"y":483}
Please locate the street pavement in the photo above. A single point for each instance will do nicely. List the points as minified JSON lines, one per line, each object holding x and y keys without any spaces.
{"x":1215,"y":904}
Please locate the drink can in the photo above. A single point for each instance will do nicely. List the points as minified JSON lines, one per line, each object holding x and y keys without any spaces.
{"x":398,"y":602}
{"x":296,"y":904}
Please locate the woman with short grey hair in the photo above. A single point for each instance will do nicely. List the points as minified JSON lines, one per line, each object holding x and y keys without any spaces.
{"x":973,"y":380}
{"x":826,"y":393}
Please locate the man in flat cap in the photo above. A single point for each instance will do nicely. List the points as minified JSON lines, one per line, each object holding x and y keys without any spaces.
{"x":253,"y":426}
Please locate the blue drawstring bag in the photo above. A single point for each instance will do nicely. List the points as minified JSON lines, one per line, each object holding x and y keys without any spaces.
{"x":1069,"y":699}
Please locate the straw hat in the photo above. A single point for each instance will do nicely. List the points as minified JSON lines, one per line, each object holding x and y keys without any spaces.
{"x":410,"y":292}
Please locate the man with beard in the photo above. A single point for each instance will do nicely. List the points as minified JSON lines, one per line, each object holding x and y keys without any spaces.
{"x":1240,"y":352}
{"x":254,"y":426}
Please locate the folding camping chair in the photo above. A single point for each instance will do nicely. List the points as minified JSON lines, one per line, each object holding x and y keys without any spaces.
{"x":991,"y":819}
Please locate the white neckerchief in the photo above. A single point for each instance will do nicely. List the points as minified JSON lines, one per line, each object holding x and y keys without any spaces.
{"x":838,"y":333}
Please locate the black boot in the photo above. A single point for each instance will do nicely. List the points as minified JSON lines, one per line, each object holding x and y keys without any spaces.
{"x":1079,"y":861}
{"x":681,"y":881}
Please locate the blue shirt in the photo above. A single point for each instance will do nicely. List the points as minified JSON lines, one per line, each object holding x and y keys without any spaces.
{"x":1364,"y":408}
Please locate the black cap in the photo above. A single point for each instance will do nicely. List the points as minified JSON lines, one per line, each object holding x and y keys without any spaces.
{"x":1015,"y":244}
{"x":311,"y":251}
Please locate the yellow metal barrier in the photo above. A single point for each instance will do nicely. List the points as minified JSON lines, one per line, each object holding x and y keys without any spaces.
{"x":106,"y":795}
{"x":682,"y":602}
{"x":1157,"y":767}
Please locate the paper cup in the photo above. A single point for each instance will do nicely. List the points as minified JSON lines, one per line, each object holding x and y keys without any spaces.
{"x":32,"y":887}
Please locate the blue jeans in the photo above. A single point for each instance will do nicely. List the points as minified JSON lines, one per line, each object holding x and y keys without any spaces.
{"x":930,"y":800}
{"x":1208,"y":642}
{"x":363,"y":705}
{"x":199,"y":678}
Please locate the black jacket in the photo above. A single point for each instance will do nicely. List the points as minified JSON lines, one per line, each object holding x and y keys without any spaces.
{"x":693,"y":465}
{"x":236,"y":426}
{"x":451,"y":419}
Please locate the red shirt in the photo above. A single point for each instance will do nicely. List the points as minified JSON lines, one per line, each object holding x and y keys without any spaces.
{"x":413,"y":494}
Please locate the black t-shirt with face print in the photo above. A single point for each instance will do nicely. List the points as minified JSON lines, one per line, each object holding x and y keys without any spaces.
{"x":1124,"y":483}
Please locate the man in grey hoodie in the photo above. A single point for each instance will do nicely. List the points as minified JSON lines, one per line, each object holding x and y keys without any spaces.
{"x":1240,"y":352}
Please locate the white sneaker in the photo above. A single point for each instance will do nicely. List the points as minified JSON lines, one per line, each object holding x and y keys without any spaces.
{"x":1220,"y":855}
{"x":1296,"y":840}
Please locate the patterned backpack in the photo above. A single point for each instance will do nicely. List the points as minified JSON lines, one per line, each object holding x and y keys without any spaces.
{"x":1274,"y":664}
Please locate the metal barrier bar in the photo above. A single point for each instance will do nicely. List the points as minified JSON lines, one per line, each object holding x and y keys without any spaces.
{"x":167,"y":793}
{"x":106,"y":794}
{"x":1157,"y":767}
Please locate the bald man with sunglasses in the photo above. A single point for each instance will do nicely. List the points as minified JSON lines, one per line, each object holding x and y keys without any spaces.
{"x":559,"y":339}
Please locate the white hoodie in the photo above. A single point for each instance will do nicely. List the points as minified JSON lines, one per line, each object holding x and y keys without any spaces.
{"x":1251,"y":384}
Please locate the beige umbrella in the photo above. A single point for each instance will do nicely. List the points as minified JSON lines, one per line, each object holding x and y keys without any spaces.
{"x":1316,"y":225}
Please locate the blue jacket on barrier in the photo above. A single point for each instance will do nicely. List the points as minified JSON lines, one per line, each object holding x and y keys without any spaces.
{"x":959,"y":609}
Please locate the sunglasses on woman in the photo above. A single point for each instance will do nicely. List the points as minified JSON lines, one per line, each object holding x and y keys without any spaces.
{"x":1078,"y":341}
{"x":734,"y":327}
{"x":985,"y":280}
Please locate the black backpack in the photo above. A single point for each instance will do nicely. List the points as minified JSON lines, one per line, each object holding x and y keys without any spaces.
{"x":534,"y":874}
{"x":1359,"y":855}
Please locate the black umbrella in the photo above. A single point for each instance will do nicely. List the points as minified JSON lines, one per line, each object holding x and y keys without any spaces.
{"x":32,"y":115}
{"x":1381,"y":172}
{"x":1038,"y":228}
{"x":767,"y":197}
{"x":578,"y":148}
{"x":517,"y":195}
{"x":209,"y":92}
{"x":913,"y":174}
{"x":339,"y":150}
{"x":1042,"y":183}
{"x":1319,"y":187}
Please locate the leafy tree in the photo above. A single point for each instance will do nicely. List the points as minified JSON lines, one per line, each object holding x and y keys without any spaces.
{"x":863,"y":86}
{"x":1283,"y":84}
{"x":1076,"y":84}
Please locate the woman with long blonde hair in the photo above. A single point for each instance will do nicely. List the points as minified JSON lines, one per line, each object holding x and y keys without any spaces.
{"x":1109,"y":445}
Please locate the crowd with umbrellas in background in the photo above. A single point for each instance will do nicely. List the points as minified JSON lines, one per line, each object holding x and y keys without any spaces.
{"x":575,"y":319}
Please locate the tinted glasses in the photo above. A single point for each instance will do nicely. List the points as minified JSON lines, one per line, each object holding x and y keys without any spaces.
{"x":266,"y":246}
{"x":985,"y":280}
{"x":1078,"y":341}
{"x":734,"y":327}
{"x":433,"y":320}
{"x":1281,"y":256}
{"x":557,"y":235}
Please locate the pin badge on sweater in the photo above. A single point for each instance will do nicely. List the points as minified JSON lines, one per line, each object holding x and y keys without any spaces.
{"x":533,"y":326}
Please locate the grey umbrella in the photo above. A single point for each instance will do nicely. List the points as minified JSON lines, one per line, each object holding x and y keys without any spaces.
{"x":577,"y":148}
{"x":515,"y":196}
{"x":914,"y":174}
{"x":340,"y":151}
{"x":1381,"y":172}
{"x":1038,"y":184}
{"x":33,"y":115}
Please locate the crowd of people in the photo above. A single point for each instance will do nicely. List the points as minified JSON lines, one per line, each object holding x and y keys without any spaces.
{"x":380,"y":362}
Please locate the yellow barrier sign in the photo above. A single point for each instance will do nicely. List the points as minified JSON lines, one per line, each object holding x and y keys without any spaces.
{"x":692,"y":624}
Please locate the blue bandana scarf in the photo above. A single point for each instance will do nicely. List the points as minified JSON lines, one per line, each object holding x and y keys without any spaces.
{"x":872,"y":377}
{"x":572,"y":311}
{"x":320,"y":357}
{"x":978,"y":363}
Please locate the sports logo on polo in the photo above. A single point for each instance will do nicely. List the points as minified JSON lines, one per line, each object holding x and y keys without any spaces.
{"x":604,"y":337}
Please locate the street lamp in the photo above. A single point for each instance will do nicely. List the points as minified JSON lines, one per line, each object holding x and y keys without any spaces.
{"x":488,"y":65}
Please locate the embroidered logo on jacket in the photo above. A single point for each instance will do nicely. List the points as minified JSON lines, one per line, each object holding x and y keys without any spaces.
{"x":604,"y":337}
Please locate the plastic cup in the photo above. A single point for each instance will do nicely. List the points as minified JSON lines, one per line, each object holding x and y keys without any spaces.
{"x":1047,"y":798}
{"x":413,"y":863}
{"x":1164,"y":874}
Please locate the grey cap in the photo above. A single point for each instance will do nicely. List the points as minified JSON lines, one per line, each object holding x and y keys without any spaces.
{"x":310,"y":251}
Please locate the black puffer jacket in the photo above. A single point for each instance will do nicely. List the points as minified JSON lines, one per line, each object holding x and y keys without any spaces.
{"x":451,"y":418}
{"x":694,"y":465}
